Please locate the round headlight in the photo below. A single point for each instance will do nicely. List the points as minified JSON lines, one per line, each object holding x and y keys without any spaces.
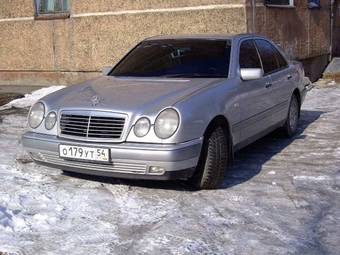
{"x":166,"y":123}
{"x":142,"y":127}
{"x":36,"y":115}
{"x":50,"y":120}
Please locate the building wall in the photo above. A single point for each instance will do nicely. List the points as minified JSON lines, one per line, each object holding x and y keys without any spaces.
{"x":303,"y":33}
{"x":98,"y":33}
{"x":336,"y":29}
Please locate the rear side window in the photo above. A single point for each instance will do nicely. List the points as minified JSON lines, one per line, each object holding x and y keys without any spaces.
{"x":280,"y":59}
{"x":268,"y":56}
{"x":249,"y":57}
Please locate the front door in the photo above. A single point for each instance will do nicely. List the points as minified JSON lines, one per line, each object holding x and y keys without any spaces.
{"x":254,"y":94}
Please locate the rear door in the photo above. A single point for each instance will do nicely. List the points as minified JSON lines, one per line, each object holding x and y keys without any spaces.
{"x":254,"y":94}
{"x":281,"y":74}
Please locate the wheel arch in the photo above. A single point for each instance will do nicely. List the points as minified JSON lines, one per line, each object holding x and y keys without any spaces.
{"x":221,"y":120}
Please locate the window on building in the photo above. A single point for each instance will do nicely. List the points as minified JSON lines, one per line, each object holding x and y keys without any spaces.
{"x":314,"y":4}
{"x":249,"y":57}
{"x":279,"y":3}
{"x":52,"y":7}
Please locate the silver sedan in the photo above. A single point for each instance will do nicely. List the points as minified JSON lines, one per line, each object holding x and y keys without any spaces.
{"x":175,"y":107}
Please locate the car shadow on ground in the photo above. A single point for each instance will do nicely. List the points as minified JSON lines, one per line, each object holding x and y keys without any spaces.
{"x":249,"y":161}
{"x":247,"y":164}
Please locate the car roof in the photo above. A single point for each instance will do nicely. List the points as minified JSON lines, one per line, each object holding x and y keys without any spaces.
{"x":201,"y":36}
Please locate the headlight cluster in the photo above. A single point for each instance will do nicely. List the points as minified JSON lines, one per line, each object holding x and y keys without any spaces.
{"x":142,"y":127}
{"x":36,"y":116}
{"x":50,"y":120}
{"x":166,"y":124}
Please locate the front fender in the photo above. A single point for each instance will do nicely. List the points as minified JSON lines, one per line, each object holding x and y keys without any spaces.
{"x":200,"y":109}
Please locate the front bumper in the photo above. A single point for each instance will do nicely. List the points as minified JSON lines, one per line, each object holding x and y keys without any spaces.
{"x":128,"y":160}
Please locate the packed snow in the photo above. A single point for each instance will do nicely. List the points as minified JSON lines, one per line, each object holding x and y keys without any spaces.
{"x":280,"y":197}
{"x":29,"y":99}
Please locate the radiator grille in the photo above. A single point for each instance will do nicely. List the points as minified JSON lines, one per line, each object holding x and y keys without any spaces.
{"x":91,"y":126}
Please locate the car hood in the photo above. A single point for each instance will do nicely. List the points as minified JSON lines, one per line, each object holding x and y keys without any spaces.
{"x":129,"y":95}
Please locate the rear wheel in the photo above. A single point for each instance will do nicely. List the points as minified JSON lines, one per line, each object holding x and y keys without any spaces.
{"x":292,"y":121}
{"x":213,"y":161}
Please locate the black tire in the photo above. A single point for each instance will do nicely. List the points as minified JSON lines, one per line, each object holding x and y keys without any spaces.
{"x":213,"y":161}
{"x":292,"y":121}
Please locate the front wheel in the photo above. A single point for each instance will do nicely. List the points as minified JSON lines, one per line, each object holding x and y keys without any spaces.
{"x":292,"y":121}
{"x":213,"y":161}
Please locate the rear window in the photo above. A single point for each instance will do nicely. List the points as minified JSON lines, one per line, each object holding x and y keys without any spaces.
{"x":177,"y":58}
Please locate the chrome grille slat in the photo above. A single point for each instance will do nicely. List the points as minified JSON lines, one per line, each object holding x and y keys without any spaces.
{"x":74,"y":132}
{"x":107,"y":118}
{"x":73,"y":128}
{"x":101,"y":127}
{"x":101,"y":135}
{"x":104,"y":131}
{"x":105,"y":122}
{"x":77,"y":118}
{"x":73,"y":122}
{"x":119,"y":167}
{"x":91,"y":125}
{"x":106,"y":125}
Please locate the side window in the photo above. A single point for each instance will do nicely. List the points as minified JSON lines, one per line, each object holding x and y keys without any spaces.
{"x":249,"y":58}
{"x":267,"y":53}
{"x":280,"y":59}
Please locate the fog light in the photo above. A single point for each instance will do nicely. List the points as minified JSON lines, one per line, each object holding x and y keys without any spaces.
{"x":156,"y":170}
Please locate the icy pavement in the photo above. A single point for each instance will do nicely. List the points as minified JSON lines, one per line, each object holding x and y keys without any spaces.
{"x":280,"y":197}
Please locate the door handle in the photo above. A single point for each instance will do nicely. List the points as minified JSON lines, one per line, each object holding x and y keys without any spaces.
{"x":268,"y":85}
{"x":289,"y":76}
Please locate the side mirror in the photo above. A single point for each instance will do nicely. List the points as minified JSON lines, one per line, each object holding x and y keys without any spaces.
{"x":248,"y":74}
{"x":106,"y":70}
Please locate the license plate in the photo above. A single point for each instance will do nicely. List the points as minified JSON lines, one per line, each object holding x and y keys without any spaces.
{"x":84,"y":153}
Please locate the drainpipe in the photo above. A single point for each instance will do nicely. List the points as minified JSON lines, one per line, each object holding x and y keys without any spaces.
{"x":253,"y":3}
{"x":331,"y":30}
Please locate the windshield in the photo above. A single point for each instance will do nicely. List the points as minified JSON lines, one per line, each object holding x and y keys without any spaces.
{"x":176,"y":58}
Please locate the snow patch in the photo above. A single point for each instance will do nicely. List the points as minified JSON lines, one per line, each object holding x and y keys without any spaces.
{"x":332,"y":83}
{"x":312,"y":178}
{"x":321,"y":180}
{"x":40,"y":208}
{"x":30,"y":99}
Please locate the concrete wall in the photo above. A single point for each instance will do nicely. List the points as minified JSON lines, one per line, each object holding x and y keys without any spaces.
{"x":98,"y":33}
